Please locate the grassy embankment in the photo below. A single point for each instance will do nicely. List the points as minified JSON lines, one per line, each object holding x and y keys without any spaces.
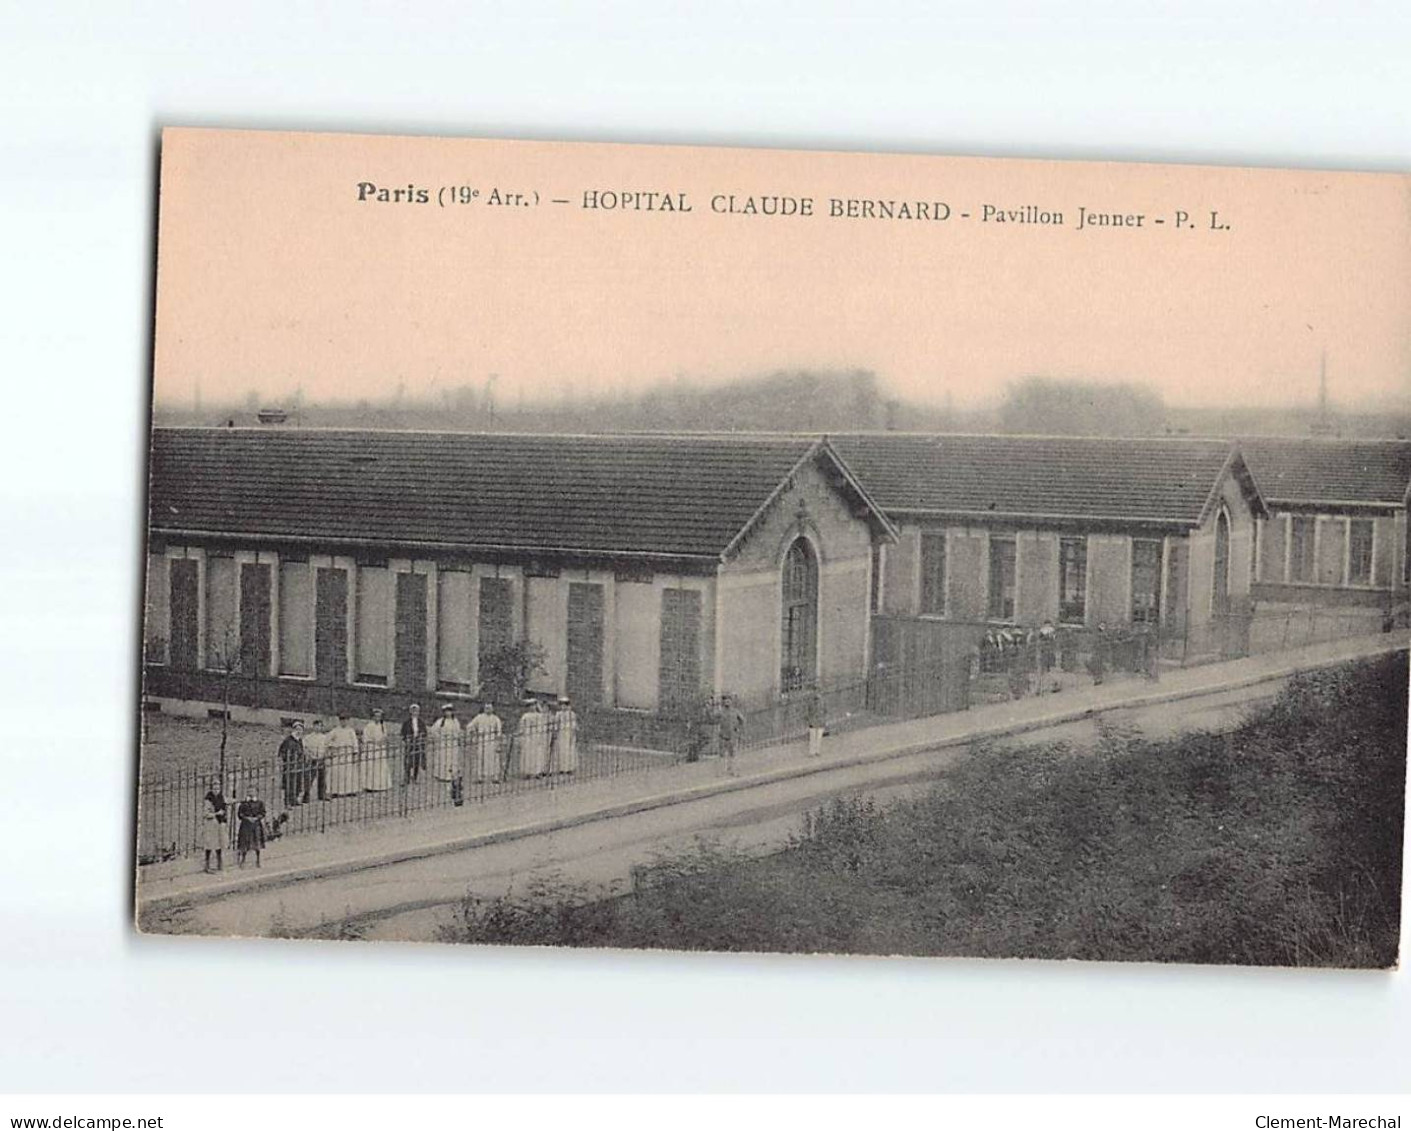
{"x":1277,"y":843}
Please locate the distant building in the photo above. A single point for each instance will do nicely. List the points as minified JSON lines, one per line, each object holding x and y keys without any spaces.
{"x":311,"y":569}
{"x":1337,"y":531}
{"x":1078,"y":532}
{"x":271,"y":416}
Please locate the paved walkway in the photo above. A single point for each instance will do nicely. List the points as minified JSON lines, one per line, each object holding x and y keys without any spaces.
{"x":352,"y":848}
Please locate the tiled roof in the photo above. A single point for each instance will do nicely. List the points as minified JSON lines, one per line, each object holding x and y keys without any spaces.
{"x":1330,"y":471}
{"x":1088,"y":479}
{"x":667,"y":496}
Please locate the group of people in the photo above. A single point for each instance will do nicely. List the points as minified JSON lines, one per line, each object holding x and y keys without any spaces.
{"x":215,"y":826}
{"x":323,"y":764}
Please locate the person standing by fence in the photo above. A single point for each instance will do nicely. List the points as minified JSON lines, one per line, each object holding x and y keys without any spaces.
{"x":250,"y":837}
{"x":532,"y":740}
{"x":293,"y":766}
{"x":316,"y":757}
{"x":377,"y":755}
{"x":444,"y":741}
{"x":564,"y":757}
{"x":344,"y":772}
{"x":483,"y":737}
{"x":214,"y":825}
{"x":413,"y":744}
{"x":817,"y":720}
{"x":732,"y":726}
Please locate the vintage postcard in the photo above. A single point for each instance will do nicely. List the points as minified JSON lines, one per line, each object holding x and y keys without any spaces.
{"x":747,"y":550}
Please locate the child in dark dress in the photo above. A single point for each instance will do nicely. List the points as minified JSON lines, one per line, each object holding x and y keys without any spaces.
{"x":251,"y":834}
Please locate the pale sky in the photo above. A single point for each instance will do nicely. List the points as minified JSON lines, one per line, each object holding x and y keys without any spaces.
{"x":273,"y":275}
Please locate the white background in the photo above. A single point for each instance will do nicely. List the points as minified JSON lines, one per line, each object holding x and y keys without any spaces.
{"x":84,"y":1004}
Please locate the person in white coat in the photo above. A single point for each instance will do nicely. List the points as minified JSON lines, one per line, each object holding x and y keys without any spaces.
{"x":565,"y":744}
{"x":377,"y":755}
{"x":444,"y":749}
{"x":531,"y":739}
{"x":344,"y":763}
{"x":483,"y":735}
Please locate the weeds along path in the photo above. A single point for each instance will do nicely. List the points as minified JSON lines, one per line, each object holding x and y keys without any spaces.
{"x":409,"y":901}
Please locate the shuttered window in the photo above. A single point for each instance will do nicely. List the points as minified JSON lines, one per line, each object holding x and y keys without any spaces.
{"x":296,"y":619}
{"x":373,"y":643}
{"x":222,"y":631}
{"x":453,"y":628}
{"x":933,"y":573}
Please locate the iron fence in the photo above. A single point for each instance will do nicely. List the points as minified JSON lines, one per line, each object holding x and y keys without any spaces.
{"x":923,"y":668}
{"x":335,"y":779}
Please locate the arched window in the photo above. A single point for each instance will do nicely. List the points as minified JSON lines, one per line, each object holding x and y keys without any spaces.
{"x":1222,"y":564}
{"x":799,"y":662}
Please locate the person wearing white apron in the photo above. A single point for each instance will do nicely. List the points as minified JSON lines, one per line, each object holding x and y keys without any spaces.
{"x":444,"y":746}
{"x":482,"y":740}
{"x":344,"y":764}
{"x":531,"y":738}
{"x":565,"y":749}
{"x":377,"y":755}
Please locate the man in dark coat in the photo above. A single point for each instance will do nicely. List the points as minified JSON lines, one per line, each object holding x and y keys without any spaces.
{"x":413,"y":744}
{"x":293,"y":766}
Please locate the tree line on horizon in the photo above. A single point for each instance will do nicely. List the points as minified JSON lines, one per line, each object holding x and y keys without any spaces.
{"x":800,"y":401}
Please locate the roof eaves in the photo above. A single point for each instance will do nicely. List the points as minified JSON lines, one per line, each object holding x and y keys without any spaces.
{"x":888,"y":527}
{"x":1038,"y":518}
{"x":420,"y":544}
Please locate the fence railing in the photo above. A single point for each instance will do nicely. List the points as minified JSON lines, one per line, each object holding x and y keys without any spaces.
{"x":335,"y":779}
{"x":341,"y":778}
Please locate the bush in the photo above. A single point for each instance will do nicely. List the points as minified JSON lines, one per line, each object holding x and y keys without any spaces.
{"x":1278,"y":843}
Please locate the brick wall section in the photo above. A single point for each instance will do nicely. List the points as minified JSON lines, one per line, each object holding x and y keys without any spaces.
{"x":185,"y":613}
{"x":679,"y":674}
{"x":254,"y":618}
{"x":331,"y":626}
{"x":583,"y":677}
{"x":409,"y":666}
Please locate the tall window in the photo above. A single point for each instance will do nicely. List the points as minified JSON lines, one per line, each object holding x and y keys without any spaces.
{"x":798,"y":664}
{"x":1002,"y":579}
{"x":875,"y":596}
{"x":453,"y":628}
{"x":222,"y":631}
{"x":1302,"y":529}
{"x":933,"y":573}
{"x":1359,"y":551}
{"x":1073,"y":580}
{"x":373,"y":641}
{"x":296,"y":618}
{"x":1146,"y":581}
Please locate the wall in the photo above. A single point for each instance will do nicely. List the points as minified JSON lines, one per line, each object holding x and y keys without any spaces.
{"x":1109,"y":579}
{"x":1331,"y":586}
{"x":1037,"y":556}
{"x":750,"y":589}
